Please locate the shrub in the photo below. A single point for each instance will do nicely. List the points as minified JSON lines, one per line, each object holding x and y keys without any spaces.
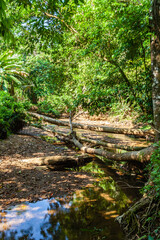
{"x":153,"y":186}
{"x":12,"y":115}
{"x":55,"y":105}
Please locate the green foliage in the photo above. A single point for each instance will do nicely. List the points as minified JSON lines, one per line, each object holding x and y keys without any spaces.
{"x":154,"y":168}
{"x":109,"y":57}
{"x":26,"y":20}
{"x":45,"y":76}
{"x":55,"y":105}
{"x":12,"y":116}
{"x":47,"y":108}
{"x":97,"y":52}
{"x":27,"y":104}
{"x":11,"y":71}
{"x":5,"y":21}
{"x":152,"y":189}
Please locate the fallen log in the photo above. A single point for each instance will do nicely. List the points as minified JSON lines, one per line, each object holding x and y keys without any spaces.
{"x":111,"y":145}
{"x":138,"y":132}
{"x":58,"y":162}
{"x":140,"y":156}
{"x":98,"y":143}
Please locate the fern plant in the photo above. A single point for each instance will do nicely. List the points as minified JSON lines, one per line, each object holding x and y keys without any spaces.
{"x":11,"y":72}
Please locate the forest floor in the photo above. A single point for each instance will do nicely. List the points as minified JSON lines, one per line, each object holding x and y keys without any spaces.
{"x":21,"y":181}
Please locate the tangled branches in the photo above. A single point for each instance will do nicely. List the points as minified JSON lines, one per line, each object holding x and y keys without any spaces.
{"x":142,"y":219}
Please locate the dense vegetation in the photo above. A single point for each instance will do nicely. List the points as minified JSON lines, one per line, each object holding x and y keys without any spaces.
{"x":97,"y":54}
{"x":71,"y":55}
{"x":12,"y":116}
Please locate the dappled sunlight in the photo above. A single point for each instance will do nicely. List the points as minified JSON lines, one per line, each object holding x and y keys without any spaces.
{"x":107,"y":197}
{"x":32,"y":184}
{"x":93,"y":207}
{"x":18,"y":147}
{"x":114,"y":138}
{"x":109,"y":214}
{"x":67,"y":203}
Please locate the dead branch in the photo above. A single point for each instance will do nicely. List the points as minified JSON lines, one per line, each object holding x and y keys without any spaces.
{"x":97,"y":143}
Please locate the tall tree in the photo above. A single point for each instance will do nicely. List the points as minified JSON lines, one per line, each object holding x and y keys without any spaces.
{"x":155,"y":64}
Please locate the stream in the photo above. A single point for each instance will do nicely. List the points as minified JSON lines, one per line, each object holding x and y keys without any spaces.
{"x":90,"y":214}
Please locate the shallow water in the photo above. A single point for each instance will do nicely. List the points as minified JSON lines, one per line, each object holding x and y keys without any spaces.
{"x":90,"y":214}
{"x":50,"y":219}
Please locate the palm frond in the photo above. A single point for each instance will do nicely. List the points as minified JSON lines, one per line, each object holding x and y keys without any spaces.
{"x":5,"y":55}
{"x":14,"y":79}
{"x":11,"y":66}
{"x":11,"y":70}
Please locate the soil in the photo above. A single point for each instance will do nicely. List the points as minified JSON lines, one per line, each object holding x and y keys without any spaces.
{"x":20,"y":181}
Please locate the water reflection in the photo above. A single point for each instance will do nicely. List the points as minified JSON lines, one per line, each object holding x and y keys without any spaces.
{"x":89,"y":215}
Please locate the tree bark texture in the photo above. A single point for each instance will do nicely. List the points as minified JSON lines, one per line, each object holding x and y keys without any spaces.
{"x":126,"y":131}
{"x":155,"y":64}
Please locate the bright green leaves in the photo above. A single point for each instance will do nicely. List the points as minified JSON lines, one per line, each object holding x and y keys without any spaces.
{"x":153,"y":186}
{"x":5,"y":21}
{"x":11,"y":71}
{"x":155,"y":171}
{"x":95,"y":46}
{"x":11,"y":115}
{"x":117,"y":32}
{"x":30,"y":19}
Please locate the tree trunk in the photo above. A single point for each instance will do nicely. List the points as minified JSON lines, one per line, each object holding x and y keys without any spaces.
{"x":155,"y":64}
{"x":126,"y":131}
{"x":32,"y":96}
{"x":111,"y":145}
{"x":60,"y":162}
{"x":140,"y":156}
{"x":11,"y":91}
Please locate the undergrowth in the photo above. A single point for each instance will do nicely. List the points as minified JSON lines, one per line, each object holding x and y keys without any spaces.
{"x":142,"y":220}
{"x":12,"y":115}
{"x":55,"y":105}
